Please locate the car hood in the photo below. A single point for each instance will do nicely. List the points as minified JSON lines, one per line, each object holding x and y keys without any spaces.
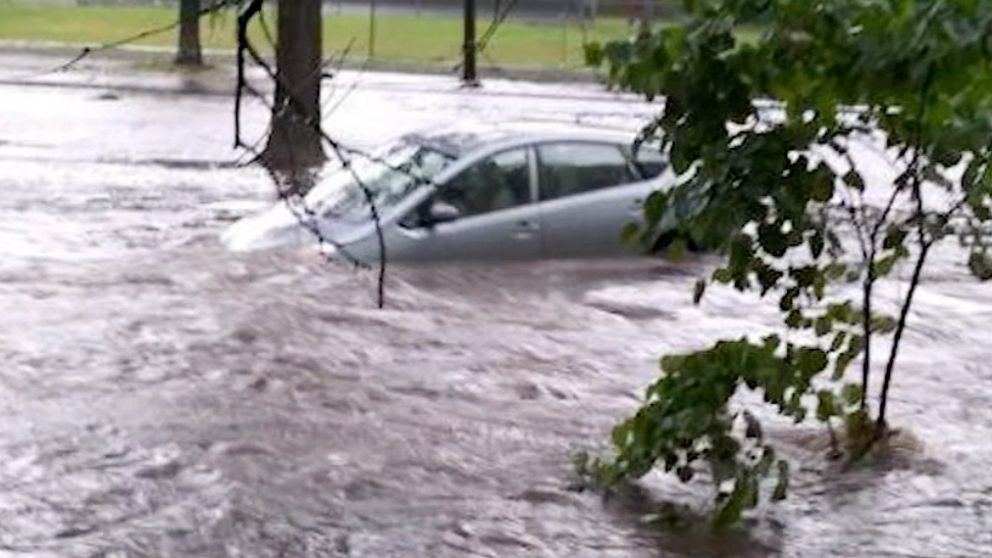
{"x":281,"y":227}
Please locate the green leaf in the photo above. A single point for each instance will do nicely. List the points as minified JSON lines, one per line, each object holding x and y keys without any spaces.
{"x":971,"y":173}
{"x":805,"y":276}
{"x":677,"y":250}
{"x":594,"y":54}
{"x":980,"y":265}
{"x":853,"y":180}
{"x":857,"y":423}
{"x":580,"y":461}
{"x":856,"y":345}
{"x":933,"y":175}
{"x":838,"y":341}
{"x":851,"y":393}
{"x":767,"y":276}
{"x":811,"y":361}
{"x":681,"y":158}
{"x":787,"y":302}
{"x":741,"y":255}
{"x":655,"y":207}
{"x":894,"y":237}
{"x":819,"y":286}
{"x":826,"y":406}
{"x":840,"y":366}
{"x":842,"y":312}
{"x":883,"y":266}
{"x":629,"y":233}
{"x":854,"y":348}
{"x":816,"y":245}
{"x":794,"y":319}
{"x":822,"y":188}
{"x":835,"y":271}
{"x":731,"y":510}
{"x":771,"y":343}
{"x":883,"y":324}
{"x":621,"y":434}
{"x":772,"y":240}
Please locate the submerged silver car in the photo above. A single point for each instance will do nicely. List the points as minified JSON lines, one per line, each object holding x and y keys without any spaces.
{"x":507,"y":192}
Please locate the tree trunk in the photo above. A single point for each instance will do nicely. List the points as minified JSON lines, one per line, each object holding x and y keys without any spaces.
{"x":189,"y":53}
{"x":295,"y":139}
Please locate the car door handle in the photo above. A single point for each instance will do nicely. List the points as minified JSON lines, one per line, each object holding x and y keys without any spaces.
{"x":525,"y":229}
{"x":636,"y":207}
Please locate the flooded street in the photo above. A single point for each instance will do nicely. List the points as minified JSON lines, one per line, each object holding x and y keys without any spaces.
{"x":162,"y":397}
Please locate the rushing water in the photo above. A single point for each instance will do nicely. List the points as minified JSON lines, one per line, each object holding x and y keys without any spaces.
{"x":161,"y":397}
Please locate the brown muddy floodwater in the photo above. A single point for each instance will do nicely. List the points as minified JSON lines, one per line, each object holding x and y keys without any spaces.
{"x":160,"y":397}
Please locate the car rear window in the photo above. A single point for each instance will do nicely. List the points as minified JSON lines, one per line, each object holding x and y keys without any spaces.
{"x":567,"y":169}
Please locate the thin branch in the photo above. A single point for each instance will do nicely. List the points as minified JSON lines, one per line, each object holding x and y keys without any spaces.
{"x":266,"y":32}
{"x":344,"y":155}
{"x":494,"y":26}
{"x":869,"y":285}
{"x":252,"y":154}
{"x":483,"y":42}
{"x":914,"y":173}
{"x":860,"y":226}
{"x":307,"y":218}
{"x":254,"y":7}
{"x":914,"y":282}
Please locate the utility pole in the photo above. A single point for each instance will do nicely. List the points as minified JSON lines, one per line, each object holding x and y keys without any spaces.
{"x":469,"y":76}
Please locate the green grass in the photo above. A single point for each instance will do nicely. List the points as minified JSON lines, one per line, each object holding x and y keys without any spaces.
{"x":411,"y":39}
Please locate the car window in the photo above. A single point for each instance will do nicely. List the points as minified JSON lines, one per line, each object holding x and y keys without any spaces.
{"x":650,"y":162}
{"x":498,"y":182}
{"x":567,"y":169}
{"x":388,"y":177}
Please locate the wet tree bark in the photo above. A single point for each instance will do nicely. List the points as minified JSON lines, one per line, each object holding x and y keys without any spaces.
{"x":189,"y":52}
{"x":295,"y":141}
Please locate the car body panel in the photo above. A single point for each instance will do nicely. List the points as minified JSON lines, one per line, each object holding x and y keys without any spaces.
{"x":590,"y":224}
{"x":581,"y":225}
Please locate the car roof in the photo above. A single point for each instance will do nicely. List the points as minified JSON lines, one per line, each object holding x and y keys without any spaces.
{"x":463,"y":140}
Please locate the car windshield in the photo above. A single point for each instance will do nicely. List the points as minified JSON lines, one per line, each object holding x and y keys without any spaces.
{"x":390,"y":175}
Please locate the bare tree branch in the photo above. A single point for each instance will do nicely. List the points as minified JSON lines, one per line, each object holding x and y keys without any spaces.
{"x":343,"y":154}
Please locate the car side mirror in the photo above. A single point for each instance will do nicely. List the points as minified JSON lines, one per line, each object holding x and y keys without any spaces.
{"x":442,"y":212}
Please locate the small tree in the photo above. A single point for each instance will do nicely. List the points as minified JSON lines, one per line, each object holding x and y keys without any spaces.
{"x":765,"y":132}
{"x":189,"y":52}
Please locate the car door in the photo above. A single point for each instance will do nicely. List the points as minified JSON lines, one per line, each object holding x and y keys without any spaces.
{"x":588,"y":192}
{"x":494,"y":214}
